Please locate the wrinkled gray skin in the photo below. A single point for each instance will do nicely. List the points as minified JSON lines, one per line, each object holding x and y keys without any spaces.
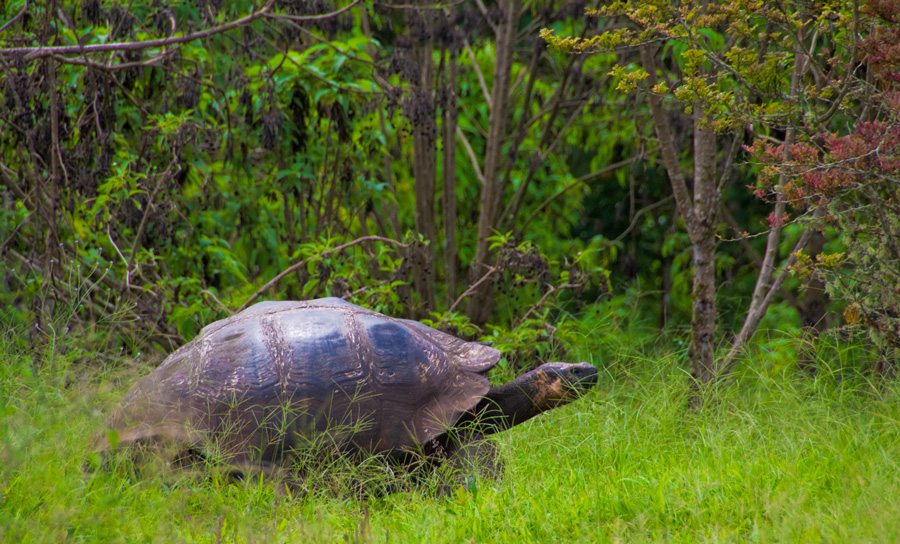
{"x":255,"y":387}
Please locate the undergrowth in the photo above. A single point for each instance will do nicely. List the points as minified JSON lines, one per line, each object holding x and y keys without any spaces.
{"x":777,"y":456}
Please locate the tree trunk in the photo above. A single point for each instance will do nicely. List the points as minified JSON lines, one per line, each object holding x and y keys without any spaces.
{"x":480,"y":303}
{"x":449,"y":177}
{"x":699,"y":216}
{"x":390,"y":206}
{"x":703,"y":240}
{"x":812,"y":313}
{"x":424,"y":132}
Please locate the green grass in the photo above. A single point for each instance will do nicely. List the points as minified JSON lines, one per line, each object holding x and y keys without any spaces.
{"x":777,"y":458}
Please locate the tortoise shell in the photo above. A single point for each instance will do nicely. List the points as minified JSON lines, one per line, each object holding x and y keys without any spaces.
{"x":258,"y":383}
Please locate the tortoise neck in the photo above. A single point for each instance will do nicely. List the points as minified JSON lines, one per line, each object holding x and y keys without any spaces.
{"x":504,"y":406}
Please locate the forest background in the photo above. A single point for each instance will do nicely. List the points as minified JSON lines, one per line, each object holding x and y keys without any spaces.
{"x":665,"y":189}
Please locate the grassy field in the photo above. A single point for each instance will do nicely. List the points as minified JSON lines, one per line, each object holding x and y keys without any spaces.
{"x":777,"y":458}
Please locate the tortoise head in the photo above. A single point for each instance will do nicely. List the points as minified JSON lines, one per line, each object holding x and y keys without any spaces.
{"x":555,"y":384}
{"x":544,"y":388}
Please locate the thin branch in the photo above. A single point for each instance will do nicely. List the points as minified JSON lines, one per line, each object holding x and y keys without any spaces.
{"x":110,"y":67}
{"x":16,"y":18}
{"x":472,"y":155}
{"x":641,"y":212}
{"x":321,"y":17}
{"x":15,"y":231}
{"x":553,"y":289}
{"x":512,"y":209}
{"x":741,"y":339}
{"x":83,"y":290}
{"x":740,"y":238}
{"x":125,"y":92}
{"x":121,"y":256}
{"x":415,"y":6}
{"x":8,"y":181}
{"x":729,"y":160}
{"x":750,"y":251}
{"x":302,"y":263}
{"x":484,"y":13}
{"x":165,"y":176}
{"x":329,"y":44}
{"x":846,"y":86}
{"x":481,"y":80}
{"x":519,"y":131}
{"x":32,"y":53}
{"x":519,"y":134}
{"x":549,"y":105}
{"x":364,"y":288}
{"x":332,"y":83}
{"x":468,"y":292}
{"x":91,"y":286}
{"x":390,"y":204}
{"x":214,"y":297}
{"x":582,"y":179}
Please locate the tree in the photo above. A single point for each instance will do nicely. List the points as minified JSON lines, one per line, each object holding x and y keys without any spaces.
{"x":736,"y":69}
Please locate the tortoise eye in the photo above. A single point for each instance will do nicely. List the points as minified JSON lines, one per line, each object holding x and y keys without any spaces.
{"x":577,"y":372}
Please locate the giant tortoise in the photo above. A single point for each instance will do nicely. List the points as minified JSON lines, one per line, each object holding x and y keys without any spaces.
{"x":254,"y":388}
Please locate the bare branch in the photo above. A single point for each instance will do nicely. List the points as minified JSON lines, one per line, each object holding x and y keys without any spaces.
{"x":641,"y":212}
{"x":484,"y":13}
{"x":415,"y":6}
{"x":16,"y":18}
{"x":582,"y":179}
{"x":468,"y":292}
{"x":109,"y":67}
{"x":753,"y":319}
{"x":321,"y":17}
{"x":214,"y":297}
{"x":729,"y":159}
{"x":481,"y":80}
{"x":479,"y":308}
{"x":165,"y":176}
{"x":121,"y":256}
{"x":364,"y":288}
{"x":553,"y":289}
{"x":740,"y":238}
{"x":6,"y":176}
{"x":512,"y":209}
{"x":472,"y":155}
{"x":32,"y":53}
{"x":750,"y":251}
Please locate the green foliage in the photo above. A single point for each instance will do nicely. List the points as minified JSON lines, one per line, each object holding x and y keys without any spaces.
{"x":186,"y":177}
{"x":750,"y":45}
